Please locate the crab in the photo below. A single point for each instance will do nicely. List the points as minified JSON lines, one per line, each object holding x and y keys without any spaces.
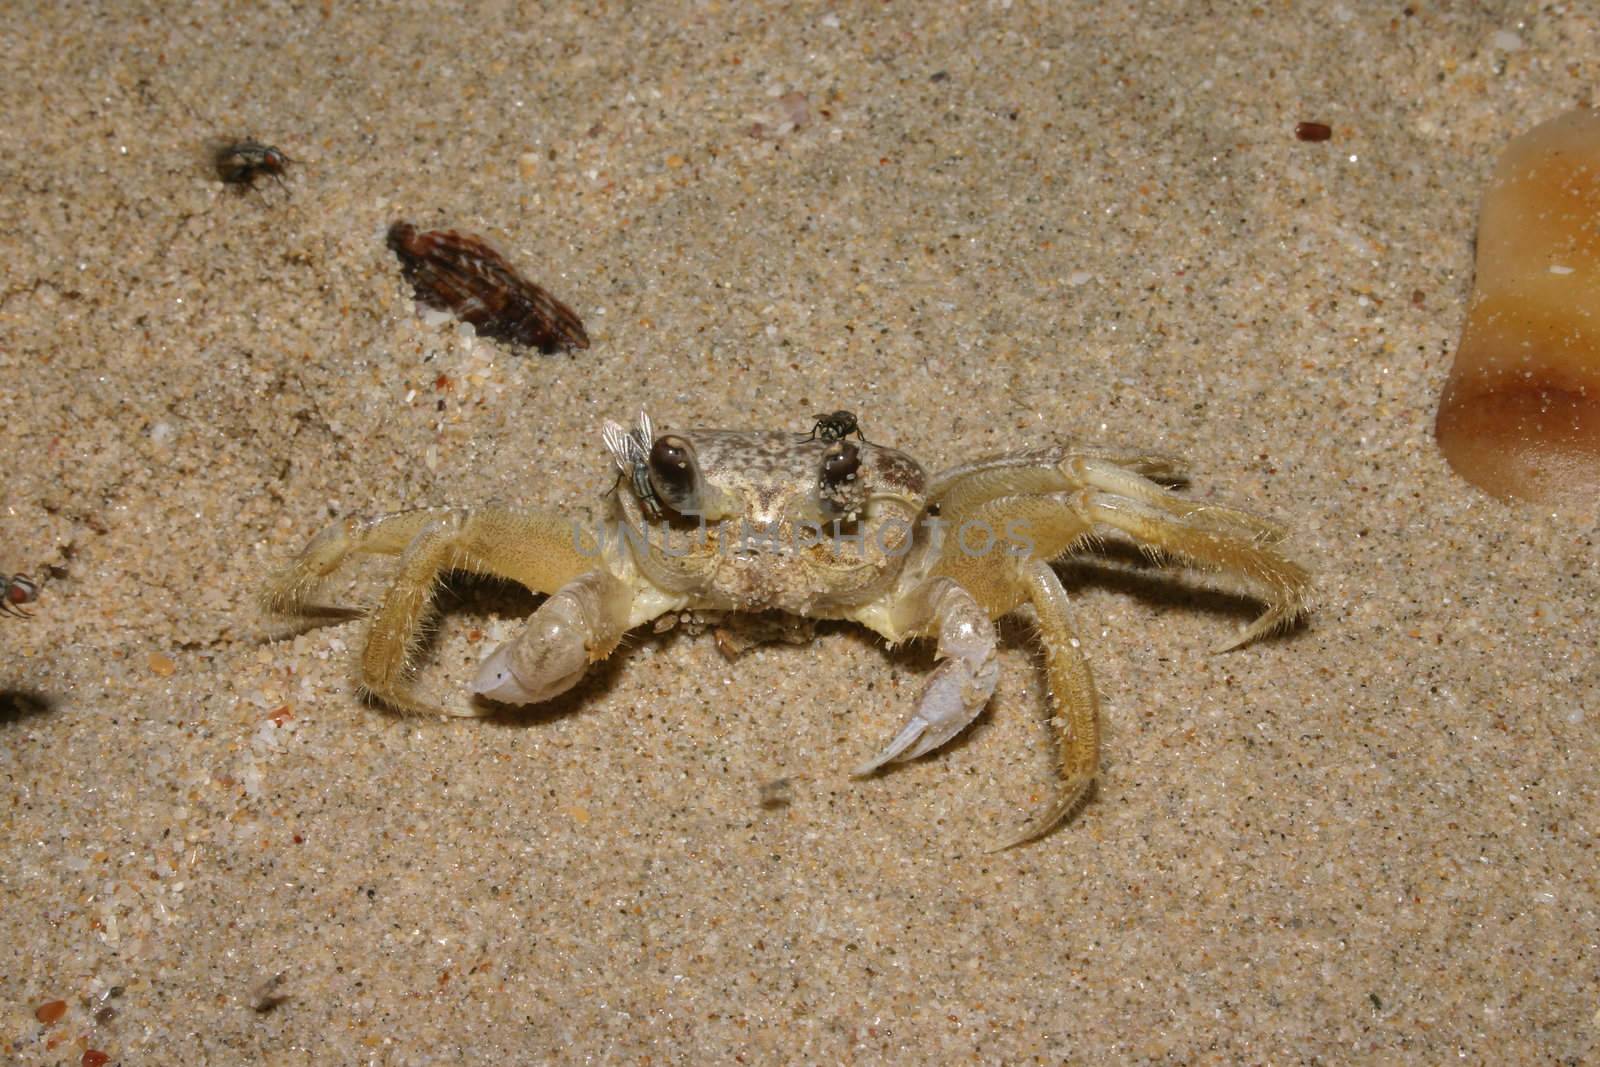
{"x":820,"y":527}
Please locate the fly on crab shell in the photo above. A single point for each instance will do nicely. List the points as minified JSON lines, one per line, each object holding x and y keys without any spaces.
{"x":835,"y":426}
{"x":752,"y":521}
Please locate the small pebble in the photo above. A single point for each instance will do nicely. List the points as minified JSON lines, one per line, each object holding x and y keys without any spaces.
{"x":778,"y":793}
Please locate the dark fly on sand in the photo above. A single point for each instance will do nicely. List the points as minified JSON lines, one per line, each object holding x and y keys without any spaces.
{"x":242,"y":162}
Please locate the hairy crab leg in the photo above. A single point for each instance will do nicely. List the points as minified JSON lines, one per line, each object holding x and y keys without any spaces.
{"x":962,"y":683}
{"x":1050,"y":522}
{"x":1284,"y":584}
{"x":531,"y":548}
{"x":1051,"y":470}
{"x":1071,"y":687}
{"x":1108,"y":477}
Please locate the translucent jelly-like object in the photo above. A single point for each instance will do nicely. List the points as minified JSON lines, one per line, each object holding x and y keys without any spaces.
{"x":1520,"y":413}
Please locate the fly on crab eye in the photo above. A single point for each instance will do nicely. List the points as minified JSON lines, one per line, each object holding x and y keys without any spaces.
{"x":674,"y":475}
{"x":630,"y":451}
{"x":839,"y":488}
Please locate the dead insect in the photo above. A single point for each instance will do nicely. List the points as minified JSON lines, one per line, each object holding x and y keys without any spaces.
{"x":460,"y":273}
{"x":242,"y":162}
{"x":835,"y":427}
{"x":15,"y":591}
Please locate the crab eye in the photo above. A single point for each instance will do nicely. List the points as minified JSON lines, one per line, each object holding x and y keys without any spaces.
{"x":673,"y":474}
{"x":840,"y":465}
{"x":838,"y":490}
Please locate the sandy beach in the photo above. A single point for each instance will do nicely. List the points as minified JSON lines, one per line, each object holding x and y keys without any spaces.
{"x":983,"y":228}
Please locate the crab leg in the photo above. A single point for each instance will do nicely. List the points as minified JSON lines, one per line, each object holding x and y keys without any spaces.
{"x":1212,"y":541}
{"x":962,"y":683}
{"x":533,"y":549}
{"x":581,"y":623}
{"x":1216,"y":518}
{"x":1050,"y":470}
{"x":1051,"y":522}
{"x":1072,"y":692}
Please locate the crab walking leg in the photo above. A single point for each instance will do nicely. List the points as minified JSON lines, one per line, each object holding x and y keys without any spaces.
{"x":581,"y":623}
{"x":962,"y":683}
{"x":1284,"y":584}
{"x":1110,"y":478}
{"x":534,"y":549}
{"x":505,"y":544}
{"x":1054,"y":470}
{"x":1072,"y":694}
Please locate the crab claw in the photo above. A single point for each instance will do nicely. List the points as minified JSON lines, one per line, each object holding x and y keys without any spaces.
{"x":959,"y":687}
{"x":557,"y":666}
{"x":580,"y":623}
